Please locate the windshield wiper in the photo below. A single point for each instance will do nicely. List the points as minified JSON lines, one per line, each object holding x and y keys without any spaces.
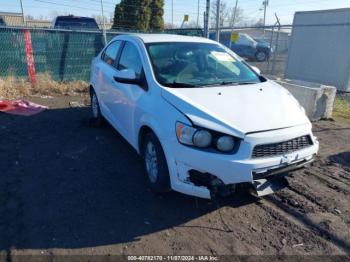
{"x":179,"y":84}
{"x":246,"y":83}
{"x":236,"y":83}
{"x":224,"y":83}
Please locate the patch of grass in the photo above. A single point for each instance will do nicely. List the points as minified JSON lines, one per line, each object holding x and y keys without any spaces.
{"x":341,"y":109}
{"x":13,"y":87}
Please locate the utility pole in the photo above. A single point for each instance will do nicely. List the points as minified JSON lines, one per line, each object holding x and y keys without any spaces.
{"x":172,"y":13}
{"x":206,"y":19}
{"x":265,"y":3}
{"x":104,"y":24}
{"x":217,"y":29}
{"x":233,"y":22}
{"x":234,"y":15}
{"x":23,"y":18}
{"x":198,"y":15}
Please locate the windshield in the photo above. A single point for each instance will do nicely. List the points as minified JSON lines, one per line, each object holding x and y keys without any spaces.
{"x":191,"y":64}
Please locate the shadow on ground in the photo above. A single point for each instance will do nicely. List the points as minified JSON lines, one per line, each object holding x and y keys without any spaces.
{"x":66,"y":184}
{"x":341,"y":158}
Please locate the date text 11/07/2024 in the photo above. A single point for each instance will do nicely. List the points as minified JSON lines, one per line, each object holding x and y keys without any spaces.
{"x":172,"y":258}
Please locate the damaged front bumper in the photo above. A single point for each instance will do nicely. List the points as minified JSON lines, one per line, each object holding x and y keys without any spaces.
{"x":208,"y":185}
{"x":221,"y":173}
{"x":266,"y":183}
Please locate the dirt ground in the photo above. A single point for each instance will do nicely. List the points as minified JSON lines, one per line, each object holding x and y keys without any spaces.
{"x":67,"y":188}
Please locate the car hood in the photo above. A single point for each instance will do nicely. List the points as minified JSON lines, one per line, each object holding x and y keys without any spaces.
{"x":266,"y":45}
{"x":238,"y":110}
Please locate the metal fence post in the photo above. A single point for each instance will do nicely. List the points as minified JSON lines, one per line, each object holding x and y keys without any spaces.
{"x":217,"y":30}
{"x":104,"y":24}
{"x":206,"y":19}
{"x":275,"y":53}
{"x":271,"y":45}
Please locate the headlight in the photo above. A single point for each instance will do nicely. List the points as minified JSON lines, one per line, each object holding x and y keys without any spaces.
{"x":185,"y":133}
{"x":202,"y":138}
{"x":225,"y":143}
{"x":192,"y":136}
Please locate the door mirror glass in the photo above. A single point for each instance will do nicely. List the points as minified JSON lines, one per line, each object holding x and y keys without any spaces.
{"x":127,"y":76}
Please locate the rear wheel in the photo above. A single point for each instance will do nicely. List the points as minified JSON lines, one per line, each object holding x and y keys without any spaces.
{"x":261,"y":56}
{"x":155,"y":164}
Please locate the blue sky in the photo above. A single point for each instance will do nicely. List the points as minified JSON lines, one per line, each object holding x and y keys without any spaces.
{"x":284,"y":8}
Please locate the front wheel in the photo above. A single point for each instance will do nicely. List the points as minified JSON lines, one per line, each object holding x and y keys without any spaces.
{"x":155,"y":164}
{"x":95,"y":110}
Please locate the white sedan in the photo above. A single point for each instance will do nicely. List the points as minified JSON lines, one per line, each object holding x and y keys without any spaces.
{"x":203,"y":120}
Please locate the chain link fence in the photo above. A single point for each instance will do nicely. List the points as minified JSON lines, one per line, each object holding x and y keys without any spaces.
{"x":306,"y":52}
{"x":65,"y":55}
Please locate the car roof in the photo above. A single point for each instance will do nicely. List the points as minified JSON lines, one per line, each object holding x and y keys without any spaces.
{"x":157,"y":38}
{"x":74,"y":17}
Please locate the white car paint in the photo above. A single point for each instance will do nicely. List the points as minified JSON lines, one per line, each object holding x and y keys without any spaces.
{"x":258,"y":114}
{"x":242,"y":109}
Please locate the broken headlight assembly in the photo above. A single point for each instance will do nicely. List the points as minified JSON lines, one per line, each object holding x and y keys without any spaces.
{"x":205,"y":139}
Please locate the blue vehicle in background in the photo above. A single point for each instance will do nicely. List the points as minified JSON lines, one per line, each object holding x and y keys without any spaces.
{"x":2,"y":22}
{"x":72,"y":22}
{"x":246,"y":46}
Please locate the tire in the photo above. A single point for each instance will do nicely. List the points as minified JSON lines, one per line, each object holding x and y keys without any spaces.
{"x":96,"y":116}
{"x":261,"y":56}
{"x":155,"y":164}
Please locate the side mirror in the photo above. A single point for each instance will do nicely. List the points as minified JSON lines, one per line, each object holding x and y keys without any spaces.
{"x":127,"y":76}
{"x":256,"y":70}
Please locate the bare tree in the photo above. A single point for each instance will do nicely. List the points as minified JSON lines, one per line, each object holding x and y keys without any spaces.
{"x":232,"y":20}
{"x":190,"y":24}
{"x":54,"y":14}
{"x":169,"y":26}
{"x":99,"y":19}
{"x":29,"y":17}
{"x":259,"y":22}
{"x":224,"y":13}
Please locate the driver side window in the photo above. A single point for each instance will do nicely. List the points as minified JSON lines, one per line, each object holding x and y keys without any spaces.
{"x":110,"y":54}
{"x":130,"y":59}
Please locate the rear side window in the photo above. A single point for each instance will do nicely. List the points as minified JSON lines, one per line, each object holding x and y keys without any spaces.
{"x":110,"y":54}
{"x":130,"y":59}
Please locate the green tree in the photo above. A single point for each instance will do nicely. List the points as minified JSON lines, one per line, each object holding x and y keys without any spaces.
{"x":140,"y":15}
{"x":157,"y":12}
{"x":125,"y":16}
{"x":144,"y":15}
{"x":130,"y":18}
{"x":118,"y":20}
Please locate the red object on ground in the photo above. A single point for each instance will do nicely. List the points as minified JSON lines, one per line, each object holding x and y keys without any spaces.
{"x":29,"y":55}
{"x":20,"y":107}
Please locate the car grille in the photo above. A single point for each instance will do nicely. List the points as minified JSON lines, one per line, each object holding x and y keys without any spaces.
{"x":282,"y":147}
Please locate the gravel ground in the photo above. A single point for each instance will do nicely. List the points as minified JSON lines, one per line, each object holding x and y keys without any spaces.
{"x":69,"y":188}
